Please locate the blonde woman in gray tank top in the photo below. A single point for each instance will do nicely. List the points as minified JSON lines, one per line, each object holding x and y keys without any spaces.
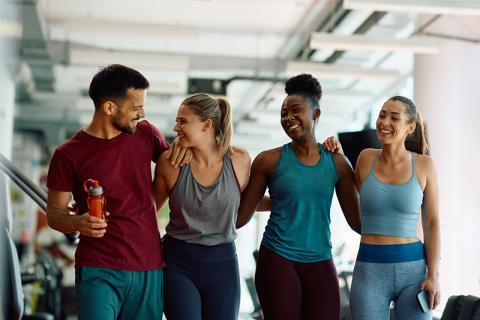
{"x":201,"y":276}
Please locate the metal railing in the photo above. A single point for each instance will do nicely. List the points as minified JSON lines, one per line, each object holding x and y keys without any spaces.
{"x":23,"y":182}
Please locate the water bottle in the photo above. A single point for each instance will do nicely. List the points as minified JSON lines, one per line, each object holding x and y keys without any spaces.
{"x":96,"y":200}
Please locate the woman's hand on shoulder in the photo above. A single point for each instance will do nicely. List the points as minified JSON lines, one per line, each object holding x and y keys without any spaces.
{"x":177,"y":155}
{"x":333,"y":145}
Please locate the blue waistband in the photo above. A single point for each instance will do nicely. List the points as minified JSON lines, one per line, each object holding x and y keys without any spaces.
{"x":391,"y":253}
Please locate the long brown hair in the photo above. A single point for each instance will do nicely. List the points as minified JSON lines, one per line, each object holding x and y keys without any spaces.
{"x":416,"y":141}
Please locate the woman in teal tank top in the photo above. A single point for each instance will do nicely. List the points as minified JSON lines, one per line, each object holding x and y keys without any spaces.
{"x":295,"y":276}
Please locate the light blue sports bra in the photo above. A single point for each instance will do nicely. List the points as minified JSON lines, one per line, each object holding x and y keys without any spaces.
{"x":390,"y":209}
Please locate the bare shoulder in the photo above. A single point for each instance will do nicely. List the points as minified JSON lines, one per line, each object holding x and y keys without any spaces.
{"x":269,"y":156}
{"x":366,"y":157}
{"x":266,"y":161}
{"x":424,"y":163}
{"x":240,"y":155}
{"x":242,"y":162}
{"x":368,"y":154}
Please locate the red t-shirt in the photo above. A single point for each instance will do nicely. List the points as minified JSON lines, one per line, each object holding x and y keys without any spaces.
{"x":122,"y":166}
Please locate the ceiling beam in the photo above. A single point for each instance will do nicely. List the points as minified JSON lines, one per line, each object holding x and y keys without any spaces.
{"x":328,"y":71}
{"x":445,"y":7}
{"x":417,"y":44}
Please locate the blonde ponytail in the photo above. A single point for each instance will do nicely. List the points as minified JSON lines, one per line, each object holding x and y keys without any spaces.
{"x":218,"y":110}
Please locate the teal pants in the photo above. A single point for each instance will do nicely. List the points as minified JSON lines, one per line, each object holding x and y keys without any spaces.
{"x":106,"y":294}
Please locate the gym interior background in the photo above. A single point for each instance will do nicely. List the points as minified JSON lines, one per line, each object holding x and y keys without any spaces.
{"x":361,"y":51}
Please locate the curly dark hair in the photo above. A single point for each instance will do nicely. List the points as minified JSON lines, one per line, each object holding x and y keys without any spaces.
{"x":305,"y":85}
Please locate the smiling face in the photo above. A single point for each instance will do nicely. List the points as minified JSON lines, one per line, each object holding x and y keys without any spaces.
{"x":189,"y":128}
{"x":298,"y":118}
{"x":129,"y":110}
{"x":392,"y":123}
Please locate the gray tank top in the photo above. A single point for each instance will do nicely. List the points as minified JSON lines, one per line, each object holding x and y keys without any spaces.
{"x":204,"y":215}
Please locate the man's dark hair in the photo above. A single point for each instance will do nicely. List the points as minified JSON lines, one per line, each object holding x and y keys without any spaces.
{"x":112,"y":83}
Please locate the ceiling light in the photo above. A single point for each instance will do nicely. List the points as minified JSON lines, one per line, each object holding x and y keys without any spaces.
{"x":136,"y":60}
{"x":127,"y":29}
{"x":419,"y":45}
{"x":328,"y":71}
{"x":10,"y":29}
{"x":446,"y":7}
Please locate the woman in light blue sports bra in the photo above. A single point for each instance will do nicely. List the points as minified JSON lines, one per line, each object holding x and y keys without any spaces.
{"x":396,"y":184}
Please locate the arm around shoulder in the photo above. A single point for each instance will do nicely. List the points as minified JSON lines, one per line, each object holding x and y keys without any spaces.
{"x":165,"y":177}
{"x":347,"y":192}
{"x":262,"y":167}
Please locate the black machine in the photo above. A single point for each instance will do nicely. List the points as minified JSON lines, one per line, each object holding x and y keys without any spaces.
{"x":354,"y":142}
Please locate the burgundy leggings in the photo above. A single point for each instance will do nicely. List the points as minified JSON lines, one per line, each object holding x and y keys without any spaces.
{"x":294,"y":290}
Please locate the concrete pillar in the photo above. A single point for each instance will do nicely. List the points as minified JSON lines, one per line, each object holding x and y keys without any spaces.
{"x":7,"y":100}
{"x":10,"y":31}
{"x":446,"y":93}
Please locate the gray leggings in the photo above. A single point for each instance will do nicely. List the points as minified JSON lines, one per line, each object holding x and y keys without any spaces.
{"x":375,"y":285}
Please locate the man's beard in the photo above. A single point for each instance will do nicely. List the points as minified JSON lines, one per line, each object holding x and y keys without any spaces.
{"x":129,"y":130}
{"x":125,"y":128}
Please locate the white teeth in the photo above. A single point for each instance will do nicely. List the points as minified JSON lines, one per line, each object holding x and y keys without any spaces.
{"x":293,"y":127}
{"x":385,"y":131}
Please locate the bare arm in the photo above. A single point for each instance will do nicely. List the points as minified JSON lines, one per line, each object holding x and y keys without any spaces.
{"x":431,"y":231}
{"x":61,"y":220}
{"x":265,"y":204}
{"x":165,"y":177}
{"x":255,"y":190}
{"x":347,"y":193}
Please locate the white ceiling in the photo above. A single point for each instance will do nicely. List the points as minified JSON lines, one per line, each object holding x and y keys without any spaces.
{"x":171,"y":41}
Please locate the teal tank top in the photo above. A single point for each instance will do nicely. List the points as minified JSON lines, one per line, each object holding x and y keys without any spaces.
{"x":390,"y":209}
{"x":299,"y":225}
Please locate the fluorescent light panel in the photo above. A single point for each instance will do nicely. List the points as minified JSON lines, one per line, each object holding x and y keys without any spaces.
{"x":419,"y":45}
{"x":327,"y":71}
{"x":10,"y":29}
{"x":128,"y":29}
{"x":139,"y":60}
{"x":446,"y":7}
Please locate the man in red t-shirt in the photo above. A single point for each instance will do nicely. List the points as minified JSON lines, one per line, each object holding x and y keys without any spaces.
{"x":118,"y":261}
